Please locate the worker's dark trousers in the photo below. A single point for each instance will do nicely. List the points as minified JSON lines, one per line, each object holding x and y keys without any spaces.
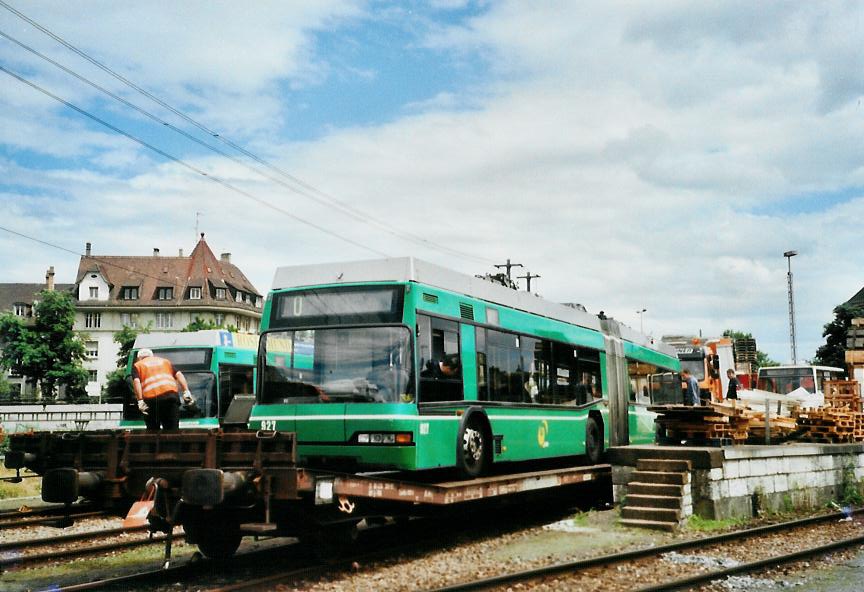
{"x":163,"y":411}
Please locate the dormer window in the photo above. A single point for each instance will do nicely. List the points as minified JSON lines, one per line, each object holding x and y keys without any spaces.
{"x":194,"y":293}
{"x":21,"y":309}
{"x":129,"y":293}
{"x":220,"y":293}
{"x":94,"y":292}
{"x":164,"y":293}
{"x":239,"y":296}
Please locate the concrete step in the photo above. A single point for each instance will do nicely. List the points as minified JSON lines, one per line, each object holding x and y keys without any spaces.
{"x":663,"y":465}
{"x":658,"y":514}
{"x":638,"y":488}
{"x":652,"y":524}
{"x":653,"y":501}
{"x":660,"y":477}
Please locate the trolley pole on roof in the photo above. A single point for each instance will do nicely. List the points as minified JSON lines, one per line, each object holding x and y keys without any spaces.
{"x":789,"y":255}
{"x":528,"y":276}
{"x":508,"y":266}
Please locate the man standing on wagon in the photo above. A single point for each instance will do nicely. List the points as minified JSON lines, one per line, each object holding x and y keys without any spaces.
{"x":155,"y":383}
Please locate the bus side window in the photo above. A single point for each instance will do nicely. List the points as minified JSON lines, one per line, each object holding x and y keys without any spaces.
{"x":440,"y":361}
{"x":480,"y":347}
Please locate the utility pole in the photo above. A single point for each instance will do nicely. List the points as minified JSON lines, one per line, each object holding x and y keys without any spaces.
{"x":789,"y":255}
{"x":528,"y":276}
{"x":508,"y":266}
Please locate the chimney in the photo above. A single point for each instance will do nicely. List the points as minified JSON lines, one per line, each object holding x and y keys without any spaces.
{"x":49,"y":278}
{"x":155,"y":252}
{"x":181,"y":252}
{"x":226,"y":257}
{"x":87,"y":250}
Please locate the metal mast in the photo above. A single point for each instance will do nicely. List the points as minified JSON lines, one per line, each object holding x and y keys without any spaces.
{"x":789,"y":255}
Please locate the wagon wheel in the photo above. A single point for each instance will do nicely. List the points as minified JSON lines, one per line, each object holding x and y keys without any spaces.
{"x":217,"y":537}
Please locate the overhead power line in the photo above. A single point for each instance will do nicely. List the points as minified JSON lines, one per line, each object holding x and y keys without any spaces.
{"x":306,"y":190}
{"x":185,"y":164}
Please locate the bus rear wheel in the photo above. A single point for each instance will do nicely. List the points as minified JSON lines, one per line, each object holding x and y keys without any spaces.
{"x":593,"y":440}
{"x":474,"y":448}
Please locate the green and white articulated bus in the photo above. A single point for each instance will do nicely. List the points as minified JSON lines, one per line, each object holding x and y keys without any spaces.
{"x":217,"y":365}
{"x":401,"y":364}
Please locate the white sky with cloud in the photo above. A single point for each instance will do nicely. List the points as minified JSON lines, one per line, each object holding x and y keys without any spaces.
{"x":636,"y":155}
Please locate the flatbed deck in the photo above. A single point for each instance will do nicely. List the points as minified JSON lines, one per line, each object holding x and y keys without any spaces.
{"x":454,"y":492}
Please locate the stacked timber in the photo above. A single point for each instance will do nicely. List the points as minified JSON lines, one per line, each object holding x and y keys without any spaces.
{"x":781,"y":426}
{"x":713,"y":425}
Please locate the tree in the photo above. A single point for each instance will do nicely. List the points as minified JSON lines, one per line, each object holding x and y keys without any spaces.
{"x":762,"y":359}
{"x":49,"y":352}
{"x":833,"y":353}
{"x":5,"y":390}
{"x":115,"y":388}
{"x":200,"y":324}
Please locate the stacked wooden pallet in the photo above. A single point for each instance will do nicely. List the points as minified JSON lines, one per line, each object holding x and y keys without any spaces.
{"x":713,"y":425}
{"x":829,"y":424}
{"x":843,"y":394}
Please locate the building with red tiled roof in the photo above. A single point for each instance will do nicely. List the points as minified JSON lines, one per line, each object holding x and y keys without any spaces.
{"x":164,"y":293}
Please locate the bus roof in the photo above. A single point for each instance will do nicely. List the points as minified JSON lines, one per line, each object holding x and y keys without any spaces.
{"x":410,"y":269}
{"x":206,"y":338}
{"x":794,"y":366}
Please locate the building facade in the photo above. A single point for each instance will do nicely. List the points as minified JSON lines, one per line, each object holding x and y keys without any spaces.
{"x":164,"y":293}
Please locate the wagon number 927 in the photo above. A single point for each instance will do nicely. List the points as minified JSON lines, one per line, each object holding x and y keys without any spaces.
{"x":268,"y":424}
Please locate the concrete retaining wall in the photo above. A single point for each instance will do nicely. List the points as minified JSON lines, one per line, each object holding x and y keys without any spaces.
{"x":738,"y":482}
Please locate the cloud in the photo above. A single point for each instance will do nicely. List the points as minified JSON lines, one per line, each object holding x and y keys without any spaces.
{"x":619,"y":151}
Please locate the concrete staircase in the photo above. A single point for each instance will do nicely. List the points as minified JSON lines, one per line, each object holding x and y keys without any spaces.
{"x":658,"y":494}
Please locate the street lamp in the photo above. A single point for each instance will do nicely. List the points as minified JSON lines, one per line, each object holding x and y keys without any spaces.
{"x":789,"y":255}
{"x":641,"y":316}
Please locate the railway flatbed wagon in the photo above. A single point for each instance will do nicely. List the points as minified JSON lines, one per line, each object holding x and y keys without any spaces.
{"x":223,"y":485}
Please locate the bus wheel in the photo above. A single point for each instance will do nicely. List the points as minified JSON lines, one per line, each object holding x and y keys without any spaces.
{"x":216,"y":539}
{"x":593,"y":440}
{"x":473,"y":448}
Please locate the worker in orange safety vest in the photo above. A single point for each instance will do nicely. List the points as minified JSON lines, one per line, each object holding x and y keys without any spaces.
{"x":155,"y":383}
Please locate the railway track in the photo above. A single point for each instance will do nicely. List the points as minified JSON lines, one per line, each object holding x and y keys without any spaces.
{"x":32,"y":517}
{"x":568,"y":569}
{"x":20,"y":553}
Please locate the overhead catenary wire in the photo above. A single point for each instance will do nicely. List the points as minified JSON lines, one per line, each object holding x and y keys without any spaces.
{"x":308,"y":190}
{"x":188,"y":166}
{"x":177,"y":130}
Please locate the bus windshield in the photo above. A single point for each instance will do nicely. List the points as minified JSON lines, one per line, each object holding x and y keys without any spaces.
{"x":338,"y":365}
{"x":786,"y":380}
{"x":202,"y":385}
